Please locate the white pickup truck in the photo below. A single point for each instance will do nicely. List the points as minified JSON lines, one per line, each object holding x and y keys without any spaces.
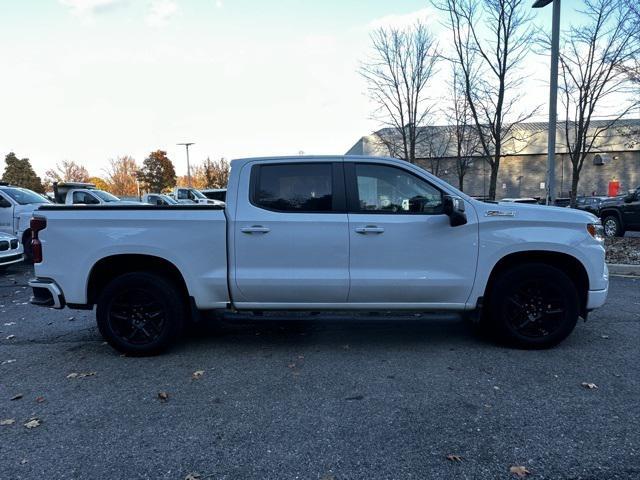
{"x":322,"y":233}
{"x":16,"y":208}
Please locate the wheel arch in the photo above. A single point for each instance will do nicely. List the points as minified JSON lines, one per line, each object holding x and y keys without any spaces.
{"x":108,"y":268}
{"x":605,"y":212}
{"x":569,"y":264}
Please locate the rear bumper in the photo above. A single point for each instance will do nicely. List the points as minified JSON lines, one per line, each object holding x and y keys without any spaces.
{"x":46,"y":293}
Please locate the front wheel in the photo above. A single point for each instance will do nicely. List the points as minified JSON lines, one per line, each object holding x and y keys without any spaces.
{"x":533,"y":306}
{"x":612,"y":226}
{"x":140,"y":313}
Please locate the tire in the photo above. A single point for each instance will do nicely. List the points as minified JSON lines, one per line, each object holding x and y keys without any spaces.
{"x":612,"y":226}
{"x":533,"y":306}
{"x":141,"y":313}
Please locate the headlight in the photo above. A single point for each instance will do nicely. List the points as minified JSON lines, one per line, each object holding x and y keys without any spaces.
{"x":596,"y":231}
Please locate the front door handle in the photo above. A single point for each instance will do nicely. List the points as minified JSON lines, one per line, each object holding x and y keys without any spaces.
{"x":255,"y":229}
{"x":369,"y":229}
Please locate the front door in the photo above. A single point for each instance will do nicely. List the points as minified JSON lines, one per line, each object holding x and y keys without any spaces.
{"x":291,"y":240}
{"x":403,"y":249}
{"x":631,"y":211}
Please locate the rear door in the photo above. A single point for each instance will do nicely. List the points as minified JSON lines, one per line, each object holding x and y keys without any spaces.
{"x":290,"y":234}
{"x":403,"y":248}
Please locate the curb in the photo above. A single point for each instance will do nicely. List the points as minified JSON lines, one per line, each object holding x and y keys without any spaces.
{"x":623,"y":269}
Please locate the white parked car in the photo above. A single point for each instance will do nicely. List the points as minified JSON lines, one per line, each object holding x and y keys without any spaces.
{"x":16,"y":208}
{"x":188,"y":195}
{"x":322,"y":233}
{"x":77,"y":193}
{"x":158,"y":199}
{"x":10,"y":250}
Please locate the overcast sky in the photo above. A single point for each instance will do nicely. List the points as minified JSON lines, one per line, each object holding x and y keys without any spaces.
{"x":89,"y":80}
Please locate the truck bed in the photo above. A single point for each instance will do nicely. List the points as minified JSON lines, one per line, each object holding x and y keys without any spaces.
{"x":191,"y":237}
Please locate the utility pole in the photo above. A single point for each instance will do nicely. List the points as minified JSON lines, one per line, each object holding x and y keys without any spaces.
{"x":553,"y":97}
{"x":187,"y":145}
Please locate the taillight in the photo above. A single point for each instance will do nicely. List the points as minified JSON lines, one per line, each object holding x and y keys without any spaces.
{"x":37,"y":224}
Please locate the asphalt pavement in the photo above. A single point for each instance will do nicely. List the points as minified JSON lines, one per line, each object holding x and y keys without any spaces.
{"x":320,"y":398}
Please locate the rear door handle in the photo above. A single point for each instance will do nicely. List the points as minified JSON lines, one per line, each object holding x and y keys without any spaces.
{"x":255,"y":229}
{"x":369,"y":229}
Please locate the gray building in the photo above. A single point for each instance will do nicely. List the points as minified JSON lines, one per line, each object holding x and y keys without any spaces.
{"x":615,"y":157}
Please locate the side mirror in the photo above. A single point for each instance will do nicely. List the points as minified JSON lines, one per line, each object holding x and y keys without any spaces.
{"x":454,"y":209}
{"x":630,"y":197}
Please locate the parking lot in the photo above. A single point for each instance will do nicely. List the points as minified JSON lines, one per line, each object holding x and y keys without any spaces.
{"x":325,"y":398}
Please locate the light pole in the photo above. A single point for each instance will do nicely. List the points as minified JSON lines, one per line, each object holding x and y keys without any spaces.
{"x":553,"y":97}
{"x":188,"y":166}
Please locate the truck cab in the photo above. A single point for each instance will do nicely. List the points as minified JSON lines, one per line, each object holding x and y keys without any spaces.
{"x":16,"y":208}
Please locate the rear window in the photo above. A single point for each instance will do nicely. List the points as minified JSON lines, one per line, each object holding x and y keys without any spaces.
{"x":294,"y":187}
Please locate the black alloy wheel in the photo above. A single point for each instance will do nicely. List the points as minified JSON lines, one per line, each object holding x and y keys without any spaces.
{"x":533,"y":305}
{"x":141,"y":313}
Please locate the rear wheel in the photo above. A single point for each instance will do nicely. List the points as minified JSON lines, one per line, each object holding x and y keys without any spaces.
{"x":140,"y":313}
{"x":533,"y":306}
{"x":612,"y":226}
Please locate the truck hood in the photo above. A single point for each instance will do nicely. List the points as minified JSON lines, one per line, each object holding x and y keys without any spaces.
{"x":533,"y":213}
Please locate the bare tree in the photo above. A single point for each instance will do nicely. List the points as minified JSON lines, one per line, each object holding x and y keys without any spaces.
{"x":216,"y":173}
{"x":593,"y":78}
{"x":490,"y":40}
{"x":435,"y":147}
{"x":67,"y":171}
{"x":402,"y":64}
{"x":465,"y":139}
{"x":121,"y":176}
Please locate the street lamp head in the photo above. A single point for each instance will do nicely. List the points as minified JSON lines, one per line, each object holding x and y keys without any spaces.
{"x":541,"y":3}
{"x":186,"y":144}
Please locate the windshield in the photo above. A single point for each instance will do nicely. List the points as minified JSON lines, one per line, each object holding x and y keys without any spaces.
{"x":24,"y":196}
{"x":198,"y":194}
{"x":107,"y":197}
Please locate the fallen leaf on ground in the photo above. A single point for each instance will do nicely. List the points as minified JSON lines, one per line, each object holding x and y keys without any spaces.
{"x":10,"y":337}
{"x":33,"y":423}
{"x":81,"y":375}
{"x":8,"y":324}
{"x":355,"y":397}
{"x":197,"y":374}
{"x":519,"y":470}
{"x":5,"y":362}
{"x":292,"y":365}
{"x":16,"y":397}
{"x":8,"y":421}
{"x":163,"y":396}
{"x":193,"y":476}
{"x":589,"y":386}
{"x":40,"y":399}
{"x":454,"y":458}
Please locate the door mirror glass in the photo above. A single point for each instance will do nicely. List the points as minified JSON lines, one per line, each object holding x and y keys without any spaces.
{"x":454,"y":208}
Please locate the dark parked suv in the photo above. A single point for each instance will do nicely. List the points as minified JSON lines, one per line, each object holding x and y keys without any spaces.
{"x":621,"y":214}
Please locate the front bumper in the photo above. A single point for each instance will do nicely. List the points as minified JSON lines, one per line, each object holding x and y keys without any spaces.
{"x":11,"y":259}
{"x":46,"y":293}
{"x":596,"y":298}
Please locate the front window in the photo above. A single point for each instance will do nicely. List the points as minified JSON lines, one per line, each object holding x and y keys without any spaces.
{"x":197,"y":194}
{"x":24,"y":196}
{"x":387,"y":189}
{"x":84,"y":198}
{"x":295,"y":187}
{"x":106,"y":196}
